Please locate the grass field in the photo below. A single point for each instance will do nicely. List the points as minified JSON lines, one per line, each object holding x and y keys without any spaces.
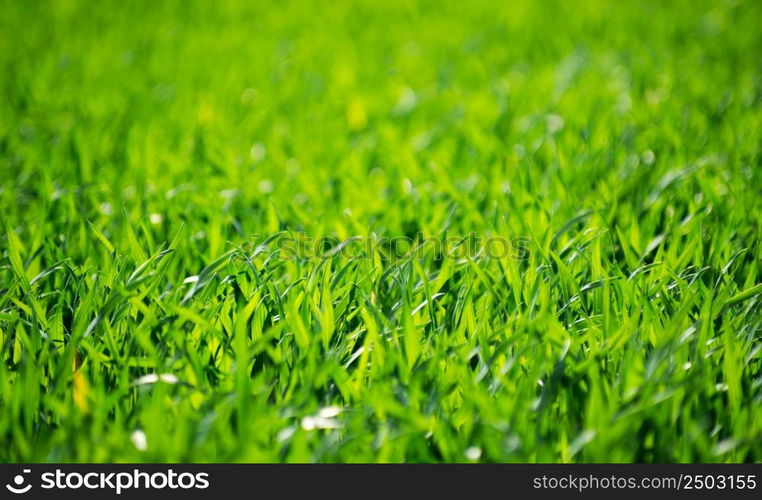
{"x":250,"y":231}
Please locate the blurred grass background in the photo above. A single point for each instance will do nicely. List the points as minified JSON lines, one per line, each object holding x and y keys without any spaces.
{"x":621,"y":138}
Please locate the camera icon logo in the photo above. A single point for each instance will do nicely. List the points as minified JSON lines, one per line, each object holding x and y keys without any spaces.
{"x":18,"y":483}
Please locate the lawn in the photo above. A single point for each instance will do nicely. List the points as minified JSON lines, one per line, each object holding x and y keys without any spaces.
{"x":419,"y":231}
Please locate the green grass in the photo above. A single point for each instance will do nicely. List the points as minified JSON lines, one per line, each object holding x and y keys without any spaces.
{"x":153,"y":155}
